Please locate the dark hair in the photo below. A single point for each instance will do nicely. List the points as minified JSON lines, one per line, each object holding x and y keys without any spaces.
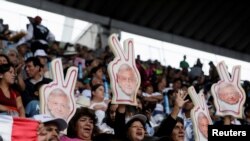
{"x":95,"y":69}
{"x":132,"y":121}
{"x":177,"y":79}
{"x":6,"y":57}
{"x":80,"y":112}
{"x":179,"y":119}
{"x":5,"y":67}
{"x":107,"y":119}
{"x":35,"y":61}
{"x":96,"y":86}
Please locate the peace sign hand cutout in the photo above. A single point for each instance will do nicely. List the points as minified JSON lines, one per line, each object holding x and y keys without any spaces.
{"x":124,"y":76}
{"x":228,"y":93}
{"x":200,"y":115}
{"x":57,"y":97}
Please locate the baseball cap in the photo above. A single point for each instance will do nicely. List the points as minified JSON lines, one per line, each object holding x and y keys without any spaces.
{"x":61,"y":123}
{"x":137,"y":117}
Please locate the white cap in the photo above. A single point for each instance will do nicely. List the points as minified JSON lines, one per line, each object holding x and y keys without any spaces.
{"x":61,"y":123}
{"x":40,"y":52}
{"x":138,"y":116}
{"x":70,"y":51}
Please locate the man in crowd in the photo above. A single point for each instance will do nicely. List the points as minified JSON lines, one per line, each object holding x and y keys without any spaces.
{"x":39,"y":35}
{"x":50,"y":127}
{"x":34,"y":72}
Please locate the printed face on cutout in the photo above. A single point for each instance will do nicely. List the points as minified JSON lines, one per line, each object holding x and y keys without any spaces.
{"x":58,"y":104}
{"x":126,"y":79}
{"x":203,"y":123}
{"x":228,"y":93}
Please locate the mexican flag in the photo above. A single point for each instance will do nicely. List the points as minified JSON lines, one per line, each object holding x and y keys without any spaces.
{"x":18,"y":129}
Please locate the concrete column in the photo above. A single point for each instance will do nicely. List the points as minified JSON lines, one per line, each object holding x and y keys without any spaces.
{"x":68,"y":29}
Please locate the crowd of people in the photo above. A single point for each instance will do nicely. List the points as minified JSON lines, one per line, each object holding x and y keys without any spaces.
{"x":162,"y":111}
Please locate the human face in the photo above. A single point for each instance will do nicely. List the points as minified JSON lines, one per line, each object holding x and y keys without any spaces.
{"x":136,"y":131}
{"x":84,"y":128}
{"x":52,"y":132}
{"x":9,"y":76}
{"x":149,"y":89}
{"x":3,"y":60}
{"x":229,"y":95}
{"x":178,"y":132}
{"x":99,"y":73}
{"x":99,"y":93}
{"x":32,"y":70}
{"x":162,"y":84}
{"x":188,"y":105}
{"x":22,"y":49}
{"x":177,"y":85}
{"x":127,"y":81}
{"x":13,"y":57}
{"x":203,"y":126}
{"x":58,"y":104}
{"x":43,"y":60}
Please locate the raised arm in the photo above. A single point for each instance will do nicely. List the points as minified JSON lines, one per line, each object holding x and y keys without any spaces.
{"x":167,"y":125}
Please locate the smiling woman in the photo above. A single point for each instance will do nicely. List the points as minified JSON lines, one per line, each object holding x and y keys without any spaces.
{"x":82,"y":126}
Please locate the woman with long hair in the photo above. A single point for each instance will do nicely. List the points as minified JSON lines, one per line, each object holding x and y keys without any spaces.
{"x":10,"y":100}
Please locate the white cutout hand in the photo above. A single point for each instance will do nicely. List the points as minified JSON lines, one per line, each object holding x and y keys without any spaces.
{"x":124,"y":76}
{"x":228,"y":94}
{"x":200,"y":115}
{"x":57,"y":97}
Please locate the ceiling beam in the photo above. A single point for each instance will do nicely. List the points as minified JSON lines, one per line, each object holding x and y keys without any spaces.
{"x":171,"y":38}
{"x":79,"y":14}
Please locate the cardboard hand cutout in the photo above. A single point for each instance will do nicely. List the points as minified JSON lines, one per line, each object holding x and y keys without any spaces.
{"x":199,"y":115}
{"x":124,"y":76}
{"x":57,"y":97}
{"x":228,"y":94}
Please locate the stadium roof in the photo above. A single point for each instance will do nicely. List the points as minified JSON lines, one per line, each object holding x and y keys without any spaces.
{"x":220,"y":27}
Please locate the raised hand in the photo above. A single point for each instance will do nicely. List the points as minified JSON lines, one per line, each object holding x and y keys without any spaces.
{"x":124,"y":76}
{"x":179,"y":100}
{"x":57,"y":97}
{"x":228,"y":94}
{"x":199,"y":115}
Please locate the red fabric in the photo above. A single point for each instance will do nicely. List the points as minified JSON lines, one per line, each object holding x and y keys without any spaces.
{"x":24,"y":129}
{"x":11,"y":102}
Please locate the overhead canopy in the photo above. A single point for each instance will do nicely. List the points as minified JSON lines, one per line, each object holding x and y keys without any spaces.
{"x":220,"y":27}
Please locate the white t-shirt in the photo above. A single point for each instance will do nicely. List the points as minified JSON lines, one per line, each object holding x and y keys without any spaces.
{"x":87,"y":93}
